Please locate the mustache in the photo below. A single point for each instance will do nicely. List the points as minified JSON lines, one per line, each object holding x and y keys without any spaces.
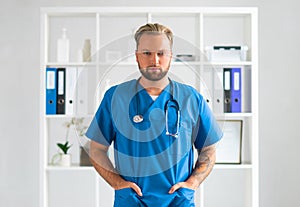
{"x":153,"y":66}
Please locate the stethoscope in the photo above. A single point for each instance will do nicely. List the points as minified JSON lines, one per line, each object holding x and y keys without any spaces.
{"x":138,"y":118}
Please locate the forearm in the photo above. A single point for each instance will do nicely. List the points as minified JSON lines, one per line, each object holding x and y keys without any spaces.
{"x":203,"y":167}
{"x":105,"y":168}
{"x":103,"y":165}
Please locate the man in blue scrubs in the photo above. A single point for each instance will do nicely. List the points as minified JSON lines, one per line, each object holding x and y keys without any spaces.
{"x":154,"y":124}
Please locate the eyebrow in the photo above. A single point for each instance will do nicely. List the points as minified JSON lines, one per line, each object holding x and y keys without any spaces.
{"x":160,"y":50}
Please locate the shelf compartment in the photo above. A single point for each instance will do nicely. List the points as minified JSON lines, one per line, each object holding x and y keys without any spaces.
{"x":71,"y":168}
{"x":75,"y":35}
{"x":235,"y":30}
{"x":79,"y":64}
{"x":63,"y":116}
{"x":76,"y":188}
{"x":232,"y":166}
{"x":240,"y":63}
{"x":232,"y":186}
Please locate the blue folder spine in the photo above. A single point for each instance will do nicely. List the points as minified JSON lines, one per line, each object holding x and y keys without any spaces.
{"x":236,"y":84}
{"x":51,"y":91}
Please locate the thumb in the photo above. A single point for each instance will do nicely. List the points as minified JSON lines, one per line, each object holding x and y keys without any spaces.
{"x":137,"y":189}
{"x":175,"y":187}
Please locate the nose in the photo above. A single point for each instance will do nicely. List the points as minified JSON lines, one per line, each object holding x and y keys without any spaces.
{"x":155,"y":59}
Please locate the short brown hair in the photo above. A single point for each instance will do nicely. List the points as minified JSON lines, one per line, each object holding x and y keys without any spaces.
{"x":153,"y":28}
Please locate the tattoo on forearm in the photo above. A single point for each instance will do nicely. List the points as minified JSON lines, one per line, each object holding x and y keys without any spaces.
{"x":203,"y":164}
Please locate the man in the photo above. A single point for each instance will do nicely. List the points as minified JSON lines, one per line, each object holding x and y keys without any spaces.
{"x":154,"y":122}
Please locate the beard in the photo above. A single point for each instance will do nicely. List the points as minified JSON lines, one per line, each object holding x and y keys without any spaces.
{"x":154,"y":73}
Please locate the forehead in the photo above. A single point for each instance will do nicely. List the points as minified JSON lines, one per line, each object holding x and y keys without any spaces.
{"x":154,"y":42}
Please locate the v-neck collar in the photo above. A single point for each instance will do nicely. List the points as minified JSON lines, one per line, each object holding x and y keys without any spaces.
{"x":146,"y":103}
{"x":141,"y":88}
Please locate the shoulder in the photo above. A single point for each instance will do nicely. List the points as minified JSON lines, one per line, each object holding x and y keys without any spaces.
{"x":122,"y":87}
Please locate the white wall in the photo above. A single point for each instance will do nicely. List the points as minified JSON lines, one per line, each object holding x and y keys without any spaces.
{"x":279,"y":96}
{"x":19,"y":89}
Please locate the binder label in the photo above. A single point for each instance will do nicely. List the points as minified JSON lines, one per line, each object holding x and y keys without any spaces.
{"x":60,"y":83}
{"x":226,"y":80}
{"x":50,"y":80}
{"x":236,"y":84}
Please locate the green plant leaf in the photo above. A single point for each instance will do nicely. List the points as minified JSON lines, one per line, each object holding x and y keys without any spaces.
{"x":64,"y":147}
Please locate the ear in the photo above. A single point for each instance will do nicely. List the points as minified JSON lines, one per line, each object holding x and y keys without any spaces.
{"x":136,"y":56}
{"x":171,"y":55}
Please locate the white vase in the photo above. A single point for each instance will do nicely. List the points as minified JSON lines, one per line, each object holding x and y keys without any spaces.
{"x":63,"y":47}
{"x":65,"y":160}
{"x":86,"y":51}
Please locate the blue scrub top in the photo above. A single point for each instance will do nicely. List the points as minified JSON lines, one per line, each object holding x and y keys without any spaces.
{"x":143,"y":153}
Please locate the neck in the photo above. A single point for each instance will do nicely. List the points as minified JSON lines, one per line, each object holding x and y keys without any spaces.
{"x":154,"y":88}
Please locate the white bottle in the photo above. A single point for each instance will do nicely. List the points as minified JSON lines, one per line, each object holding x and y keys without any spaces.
{"x":63,"y":47}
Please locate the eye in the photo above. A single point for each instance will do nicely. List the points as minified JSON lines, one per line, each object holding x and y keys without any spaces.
{"x":161,"y":53}
{"x":146,"y":53}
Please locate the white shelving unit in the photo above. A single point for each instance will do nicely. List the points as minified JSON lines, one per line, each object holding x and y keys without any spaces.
{"x":111,"y":29}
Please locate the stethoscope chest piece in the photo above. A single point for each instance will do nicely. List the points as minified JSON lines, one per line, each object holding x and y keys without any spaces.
{"x":138,"y":118}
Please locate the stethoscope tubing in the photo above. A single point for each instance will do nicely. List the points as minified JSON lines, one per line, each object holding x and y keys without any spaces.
{"x":138,"y":118}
